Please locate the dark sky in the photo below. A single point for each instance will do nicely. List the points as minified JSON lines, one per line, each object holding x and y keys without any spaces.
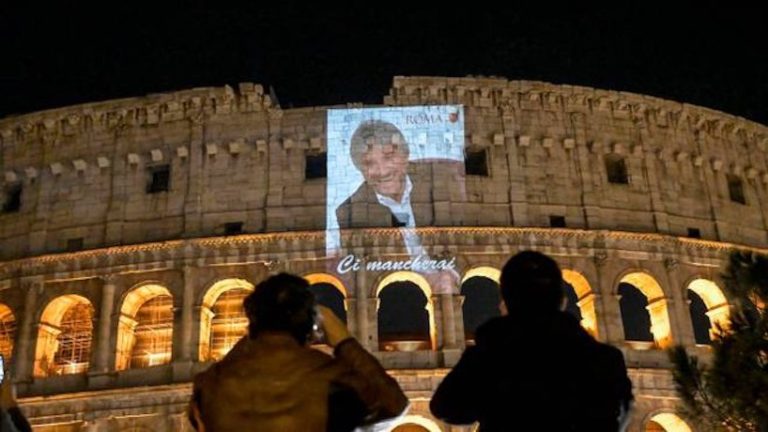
{"x":703,"y":54}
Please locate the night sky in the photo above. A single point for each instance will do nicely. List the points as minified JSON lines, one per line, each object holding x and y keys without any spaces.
{"x":62,"y":55}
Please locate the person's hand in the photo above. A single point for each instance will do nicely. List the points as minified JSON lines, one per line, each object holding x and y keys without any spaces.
{"x":334,"y":328}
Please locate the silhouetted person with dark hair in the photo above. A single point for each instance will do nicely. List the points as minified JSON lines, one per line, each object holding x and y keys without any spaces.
{"x":535,"y":368}
{"x":272,"y":380}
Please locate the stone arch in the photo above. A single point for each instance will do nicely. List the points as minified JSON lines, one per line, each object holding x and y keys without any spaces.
{"x":585,"y":296}
{"x":65,"y":336}
{"x":423,"y":285}
{"x":669,"y":422}
{"x":418,"y":421}
{"x":491,"y":273}
{"x":314,"y":278}
{"x":718,"y":309}
{"x":480,"y":301}
{"x":222,"y":318}
{"x":334,"y":298}
{"x":145,"y":328}
{"x":658,"y":309}
{"x":7,"y":331}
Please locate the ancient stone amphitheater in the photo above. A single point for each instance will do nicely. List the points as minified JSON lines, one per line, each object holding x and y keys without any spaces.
{"x":131,"y":230}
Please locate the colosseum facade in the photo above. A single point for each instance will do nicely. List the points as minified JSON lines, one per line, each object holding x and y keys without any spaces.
{"x":131,"y":229}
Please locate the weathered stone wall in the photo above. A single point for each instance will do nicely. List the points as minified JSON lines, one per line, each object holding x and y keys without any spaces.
{"x":189,"y":268}
{"x":234,"y":157}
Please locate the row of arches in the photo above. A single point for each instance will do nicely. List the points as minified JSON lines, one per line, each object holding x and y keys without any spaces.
{"x":405,"y":316}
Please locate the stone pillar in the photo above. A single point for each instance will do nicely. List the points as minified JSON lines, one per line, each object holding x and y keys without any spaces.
{"x":677,"y":308}
{"x":350,"y":306}
{"x":361,"y":295}
{"x":101,"y":363}
{"x":24,"y":351}
{"x":448,"y":321}
{"x":610,"y":324}
{"x":372,"y":331}
{"x":192,"y":204}
{"x":660,"y":216}
{"x":187,"y":342}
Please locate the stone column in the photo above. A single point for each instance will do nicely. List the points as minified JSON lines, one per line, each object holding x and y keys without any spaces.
{"x":610,"y":324}
{"x":361,"y":294}
{"x":372,"y":325}
{"x":448,"y":321}
{"x":677,"y":308}
{"x":187,"y":341}
{"x":192,"y":204}
{"x":102,"y":346}
{"x":350,"y":306}
{"x":24,"y":351}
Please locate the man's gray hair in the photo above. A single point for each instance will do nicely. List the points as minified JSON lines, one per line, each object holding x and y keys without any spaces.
{"x":375,"y":132}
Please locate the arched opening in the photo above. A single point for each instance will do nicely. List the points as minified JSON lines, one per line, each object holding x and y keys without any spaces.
{"x":481,"y":303}
{"x":329,"y":292}
{"x":223,"y":321}
{"x":405,"y":313}
{"x":666,"y":422}
{"x":415,"y":423}
{"x":7,"y":332}
{"x":581,"y":300}
{"x":644,"y":312}
{"x":701,"y":324}
{"x":145,"y":331}
{"x":634,"y":314}
{"x":709,"y":309}
{"x":64,"y":337}
{"x":616,"y":168}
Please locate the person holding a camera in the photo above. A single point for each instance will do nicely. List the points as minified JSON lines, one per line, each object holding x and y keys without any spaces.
{"x":272,"y":380}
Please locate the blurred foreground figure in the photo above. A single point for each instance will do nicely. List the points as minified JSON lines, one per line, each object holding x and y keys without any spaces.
{"x":272,"y":380}
{"x":11,"y":417}
{"x":535,"y":368}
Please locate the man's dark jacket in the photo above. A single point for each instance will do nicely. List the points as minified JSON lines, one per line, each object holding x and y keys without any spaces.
{"x":435,"y":184}
{"x":272,"y":383}
{"x":535,"y":370}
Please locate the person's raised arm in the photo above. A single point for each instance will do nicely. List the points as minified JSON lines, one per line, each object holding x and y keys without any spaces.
{"x":378,"y":391}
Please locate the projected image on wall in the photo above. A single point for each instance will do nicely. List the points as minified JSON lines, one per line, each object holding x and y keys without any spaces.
{"x":400,"y":167}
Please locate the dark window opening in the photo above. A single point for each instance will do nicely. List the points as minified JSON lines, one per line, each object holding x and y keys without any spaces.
{"x":316,"y":166}
{"x":476,"y":163}
{"x":699,"y":319}
{"x":12,"y":203}
{"x":634,"y":315}
{"x":616,"y":168}
{"x":557,"y":221}
{"x":694,"y":233}
{"x":233,"y":228}
{"x":160,"y":179}
{"x":403,"y":318}
{"x":481,"y":303}
{"x":736,"y":189}
{"x":74,"y":244}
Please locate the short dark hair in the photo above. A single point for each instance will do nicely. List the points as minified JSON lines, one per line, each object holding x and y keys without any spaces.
{"x":533,"y":281}
{"x":375,"y":132}
{"x":284,"y":303}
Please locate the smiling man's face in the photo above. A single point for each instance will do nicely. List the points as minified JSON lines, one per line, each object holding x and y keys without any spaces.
{"x":384,"y":168}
